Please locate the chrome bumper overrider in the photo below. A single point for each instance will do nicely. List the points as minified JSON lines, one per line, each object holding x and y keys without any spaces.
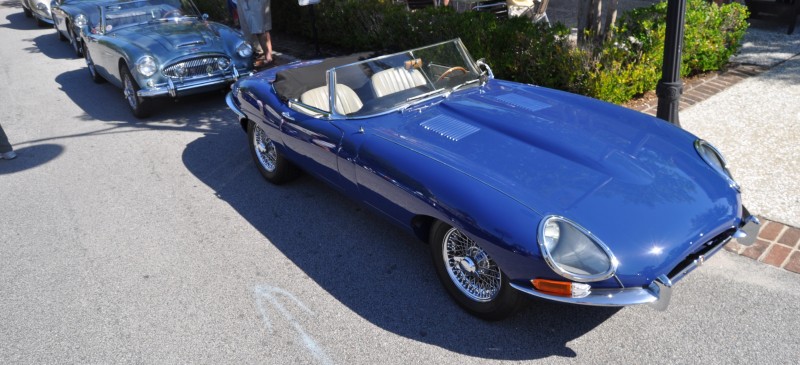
{"x":658,"y":293}
{"x":187,"y":87}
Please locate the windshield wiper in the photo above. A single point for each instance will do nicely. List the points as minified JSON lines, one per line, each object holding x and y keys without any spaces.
{"x":423,"y":95}
{"x":470,"y":82}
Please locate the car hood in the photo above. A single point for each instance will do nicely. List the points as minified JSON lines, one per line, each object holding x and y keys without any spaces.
{"x":168,"y":40}
{"x":634,"y":181}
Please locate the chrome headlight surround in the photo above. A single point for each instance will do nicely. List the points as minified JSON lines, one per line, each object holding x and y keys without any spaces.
{"x":80,"y":20}
{"x":147,"y":66}
{"x":573,"y":252}
{"x":244,"y":50}
{"x":713,"y":158}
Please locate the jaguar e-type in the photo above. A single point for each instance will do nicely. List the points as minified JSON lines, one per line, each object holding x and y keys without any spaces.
{"x":155,"y":48}
{"x":520,"y":191}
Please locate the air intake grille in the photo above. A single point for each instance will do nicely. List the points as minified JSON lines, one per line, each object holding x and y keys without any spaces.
{"x":196,"y":67}
{"x":449,"y":128}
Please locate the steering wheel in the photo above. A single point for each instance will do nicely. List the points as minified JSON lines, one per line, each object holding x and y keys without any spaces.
{"x":451,"y":70}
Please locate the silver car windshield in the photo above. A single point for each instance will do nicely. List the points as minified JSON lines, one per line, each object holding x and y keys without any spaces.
{"x":401,"y":80}
{"x":125,"y":14}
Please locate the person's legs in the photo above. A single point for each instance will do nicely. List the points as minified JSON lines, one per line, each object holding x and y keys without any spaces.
{"x":6,"y":151}
{"x":266,"y":45}
{"x":4,"y":145}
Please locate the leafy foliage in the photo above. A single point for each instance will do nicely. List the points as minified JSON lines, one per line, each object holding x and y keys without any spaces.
{"x":626,"y":65}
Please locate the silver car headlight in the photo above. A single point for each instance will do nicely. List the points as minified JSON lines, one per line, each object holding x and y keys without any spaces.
{"x":146,"y":66}
{"x":573,"y":252}
{"x":80,"y":20}
{"x":244,"y":50}
{"x":714,"y":158}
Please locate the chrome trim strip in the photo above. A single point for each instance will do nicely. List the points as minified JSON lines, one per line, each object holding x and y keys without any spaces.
{"x":601,"y":297}
{"x":656,"y":294}
{"x":161,"y":90}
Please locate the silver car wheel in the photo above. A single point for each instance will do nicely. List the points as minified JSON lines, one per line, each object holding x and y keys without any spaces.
{"x":470,"y":267}
{"x":130,"y":92}
{"x":265,"y":149}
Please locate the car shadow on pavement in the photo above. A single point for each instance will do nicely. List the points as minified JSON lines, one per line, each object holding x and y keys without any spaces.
{"x":31,"y":157}
{"x":18,"y":20}
{"x":49,"y":45}
{"x":105,"y":102}
{"x":376,"y":269}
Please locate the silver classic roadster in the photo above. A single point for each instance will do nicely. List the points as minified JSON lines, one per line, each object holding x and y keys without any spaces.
{"x":155,"y":48}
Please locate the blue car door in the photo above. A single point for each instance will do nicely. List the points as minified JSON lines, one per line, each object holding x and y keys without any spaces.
{"x":314,"y":143}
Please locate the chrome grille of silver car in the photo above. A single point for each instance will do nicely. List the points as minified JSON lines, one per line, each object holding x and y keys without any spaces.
{"x":195,"y":67}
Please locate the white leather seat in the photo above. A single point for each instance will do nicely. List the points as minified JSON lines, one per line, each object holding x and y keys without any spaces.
{"x":396,"y":79}
{"x":346,"y":99}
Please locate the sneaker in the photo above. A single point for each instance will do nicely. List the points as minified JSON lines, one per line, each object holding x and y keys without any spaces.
{"x":10,"y":155}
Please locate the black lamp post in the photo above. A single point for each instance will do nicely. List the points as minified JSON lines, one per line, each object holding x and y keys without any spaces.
{"x":670,"y":87}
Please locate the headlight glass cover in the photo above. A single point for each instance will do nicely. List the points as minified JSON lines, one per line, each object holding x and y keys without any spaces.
{"x":80,"y":20}
{"x":714,"y":158}
{"x":146,"y":66}
{"x":244,"y":50}
{"x":573,"y":252}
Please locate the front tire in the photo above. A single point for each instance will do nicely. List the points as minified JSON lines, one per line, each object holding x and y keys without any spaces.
{"x":92,"y":70}
{"x":140,"y":107}
{"x":28,"y":12}
{"x":470,"y":276}
{"x":75,"y":42}
{"x":269,"y":161}
{"x":60,"y":35}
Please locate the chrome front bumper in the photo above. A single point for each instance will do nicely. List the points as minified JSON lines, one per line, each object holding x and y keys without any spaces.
{"x":658,"y":293}
{"x":190,"y":87}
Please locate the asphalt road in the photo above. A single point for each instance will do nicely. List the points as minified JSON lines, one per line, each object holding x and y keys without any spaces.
{"x":157,"y":241}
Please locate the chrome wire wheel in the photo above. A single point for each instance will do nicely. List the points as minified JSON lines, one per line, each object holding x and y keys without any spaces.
{"x":265,"y":150}
{"x":470,"y":268}
{"x":130,"y":92}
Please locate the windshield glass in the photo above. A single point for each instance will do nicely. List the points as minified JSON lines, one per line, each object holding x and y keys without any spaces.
{"x":120,"y":15}
{"x":399,"y":80}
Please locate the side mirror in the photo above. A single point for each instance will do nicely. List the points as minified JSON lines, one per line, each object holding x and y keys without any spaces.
{"x":205,"y":17}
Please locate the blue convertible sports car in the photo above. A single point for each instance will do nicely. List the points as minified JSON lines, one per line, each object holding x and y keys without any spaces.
{"x":519,"y":190}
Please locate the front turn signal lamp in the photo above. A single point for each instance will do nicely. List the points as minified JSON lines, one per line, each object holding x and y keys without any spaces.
{"x":562,"y":288}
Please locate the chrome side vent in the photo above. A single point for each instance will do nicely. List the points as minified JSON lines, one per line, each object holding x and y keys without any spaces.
{"x":450,"y":128}
{"x":519,"y":101}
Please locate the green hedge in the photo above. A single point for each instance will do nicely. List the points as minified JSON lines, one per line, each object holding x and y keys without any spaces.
{"x":621,"y":68}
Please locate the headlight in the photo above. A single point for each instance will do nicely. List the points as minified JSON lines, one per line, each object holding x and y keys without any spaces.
{"x":80,"y":20}
{"x":573,"y":252}
{"x":714,"y":159}
{"x":146,"y":66}
{"x":244,"y":50}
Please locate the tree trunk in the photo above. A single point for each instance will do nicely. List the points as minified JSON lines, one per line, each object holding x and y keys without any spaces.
{"x":611,"y":18}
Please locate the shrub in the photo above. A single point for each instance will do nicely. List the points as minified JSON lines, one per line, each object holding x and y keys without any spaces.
{"x":626,"y":65}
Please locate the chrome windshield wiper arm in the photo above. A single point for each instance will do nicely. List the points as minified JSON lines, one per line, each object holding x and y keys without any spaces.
{"x":470,"y":82}
{"x":423,"y":95}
